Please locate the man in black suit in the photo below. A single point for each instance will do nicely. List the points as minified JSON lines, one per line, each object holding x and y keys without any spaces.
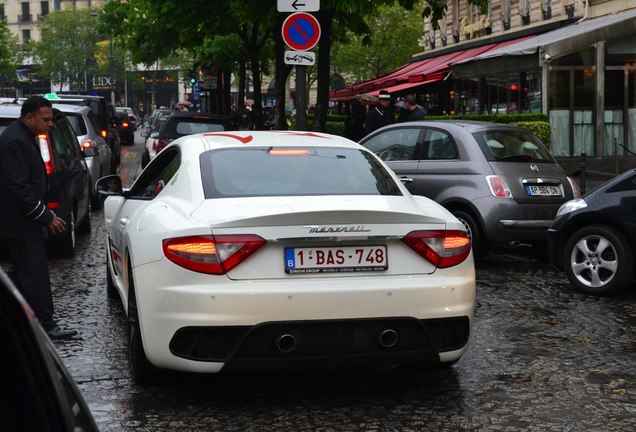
{"x":25,"y":217}
{"x":380,"y":115}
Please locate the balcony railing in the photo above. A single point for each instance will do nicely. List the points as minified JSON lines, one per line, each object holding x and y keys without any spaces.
{"x":25,"y":18}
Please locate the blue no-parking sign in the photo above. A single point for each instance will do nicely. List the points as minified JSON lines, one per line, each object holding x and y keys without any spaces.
{"x":301,"y":31}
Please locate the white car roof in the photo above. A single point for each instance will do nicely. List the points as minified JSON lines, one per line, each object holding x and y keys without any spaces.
{"x":66,"y":108}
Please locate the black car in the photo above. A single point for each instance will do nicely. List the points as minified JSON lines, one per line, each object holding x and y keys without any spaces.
{"x":68,"y":179}
{"x":180,"y":124}
{"x":105,"y":115}
{"x":593,"y":239}
{"x":125,"y":127}
{"x":40,"y":394}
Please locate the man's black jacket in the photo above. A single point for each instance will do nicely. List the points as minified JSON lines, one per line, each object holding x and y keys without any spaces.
{"x":23,"y":185}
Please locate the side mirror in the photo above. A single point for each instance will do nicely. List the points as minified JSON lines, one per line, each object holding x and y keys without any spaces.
{"x":154,"y":135}
{"x":144,"y":134}
{"x":109,"y":185}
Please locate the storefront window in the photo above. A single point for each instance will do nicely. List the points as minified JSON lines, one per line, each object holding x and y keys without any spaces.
{"x":620,"y":100}
{"x":559,"y":106}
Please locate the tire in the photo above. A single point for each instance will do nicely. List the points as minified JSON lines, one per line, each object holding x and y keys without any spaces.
{"x":423,"y":366}
{"x":65,"y":246}
{"x":111,"y":289}
{"x":145,"y":158}
{"x":85,"y":226}
{"x":598,"y":261}
{"x":474,"y":232}
{"x":96,"y":199}
{"x":141,"y":369}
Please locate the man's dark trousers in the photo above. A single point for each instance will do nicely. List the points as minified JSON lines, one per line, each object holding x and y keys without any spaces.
{"x":31,"y":276}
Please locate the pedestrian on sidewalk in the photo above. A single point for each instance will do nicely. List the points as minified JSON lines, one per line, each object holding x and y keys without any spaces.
{"x":380,"y":115}
{"x":25,"y":217}
{"x":412,"y":111}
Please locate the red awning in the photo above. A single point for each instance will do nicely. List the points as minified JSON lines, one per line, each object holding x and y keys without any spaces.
{"x":401,"y":87}
{"x":415,"y":74}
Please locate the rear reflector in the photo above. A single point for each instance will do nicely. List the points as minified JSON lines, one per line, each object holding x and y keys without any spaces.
{"x":45,"y":151}
{"x":211,"y":254}
{"x":440,"y":247}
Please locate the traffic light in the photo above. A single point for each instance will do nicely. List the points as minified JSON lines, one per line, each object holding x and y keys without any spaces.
{"x":193,"y":77}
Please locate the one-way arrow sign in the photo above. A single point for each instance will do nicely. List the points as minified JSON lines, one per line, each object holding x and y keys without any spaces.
{"x":298,"y":5}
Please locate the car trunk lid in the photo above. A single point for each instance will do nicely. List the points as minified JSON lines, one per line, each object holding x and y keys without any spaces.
{"x":334,"y":236}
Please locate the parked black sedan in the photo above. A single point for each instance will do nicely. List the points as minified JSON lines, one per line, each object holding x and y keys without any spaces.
{"x":593,"y":239}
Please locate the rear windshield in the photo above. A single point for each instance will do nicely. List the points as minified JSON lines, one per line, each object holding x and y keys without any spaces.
{"x":512,"y":145}
{"x":250,"y":172}
{"x":178,"y":127}
{"x":77,"y":122}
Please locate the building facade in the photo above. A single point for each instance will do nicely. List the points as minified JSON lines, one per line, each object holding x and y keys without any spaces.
{"x":22,"y":16}
{"x":574,"y":60}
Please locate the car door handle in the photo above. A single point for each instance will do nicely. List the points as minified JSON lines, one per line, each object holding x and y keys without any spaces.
{"x":123,"y":221}
{"x":405,"y":179}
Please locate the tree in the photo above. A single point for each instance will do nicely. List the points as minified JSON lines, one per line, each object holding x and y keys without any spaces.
{"x":8,"y":50}
{"x":152,"y":29}
{"x":66,"y":51}
{"x":390,"y":44}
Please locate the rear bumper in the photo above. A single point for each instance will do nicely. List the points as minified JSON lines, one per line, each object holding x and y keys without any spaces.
{"x":505,"y":220}
{"x":325,"y":344}
{"x":198,"y":323}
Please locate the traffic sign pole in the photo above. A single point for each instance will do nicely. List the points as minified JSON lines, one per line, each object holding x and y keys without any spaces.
{"x":301,"y":98}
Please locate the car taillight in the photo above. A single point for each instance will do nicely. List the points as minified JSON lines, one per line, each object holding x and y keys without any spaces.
{"x":87,"y":143}
{"x":45,"y":151}
{"x":498,"y":187}
{"x":160,"y":144}
{"x":575,"y":188}
{"x":211,"y":254}
{"x":440,"y":247}
{"x":104,"y":133}
{"x":124,"y":124}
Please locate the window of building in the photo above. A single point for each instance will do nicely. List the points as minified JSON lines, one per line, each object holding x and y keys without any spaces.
{"x":44,"y":7}
{"x":26,"y":12}
{"x":56,"y":5}
{"x":26,"y":35}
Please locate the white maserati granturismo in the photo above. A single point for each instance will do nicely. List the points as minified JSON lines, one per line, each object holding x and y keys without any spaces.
{"x":281,"y":249}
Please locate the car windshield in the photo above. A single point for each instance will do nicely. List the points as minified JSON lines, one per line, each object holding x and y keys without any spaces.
{"x":240,"y":172}
{"x":512,"y":145}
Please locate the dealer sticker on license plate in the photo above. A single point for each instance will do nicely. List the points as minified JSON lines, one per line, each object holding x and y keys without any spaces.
{"x":336,"y":259}
{"x":543,"y":190}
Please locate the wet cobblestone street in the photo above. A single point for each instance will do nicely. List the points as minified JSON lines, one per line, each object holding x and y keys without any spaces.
{"x":542,"y":357}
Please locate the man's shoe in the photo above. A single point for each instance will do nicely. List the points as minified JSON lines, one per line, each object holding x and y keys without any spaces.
{"x":58,"y":333}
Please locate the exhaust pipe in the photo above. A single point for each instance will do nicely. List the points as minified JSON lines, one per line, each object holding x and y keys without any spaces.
{"x":388,"y":338}
{"x":285,"y":342}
